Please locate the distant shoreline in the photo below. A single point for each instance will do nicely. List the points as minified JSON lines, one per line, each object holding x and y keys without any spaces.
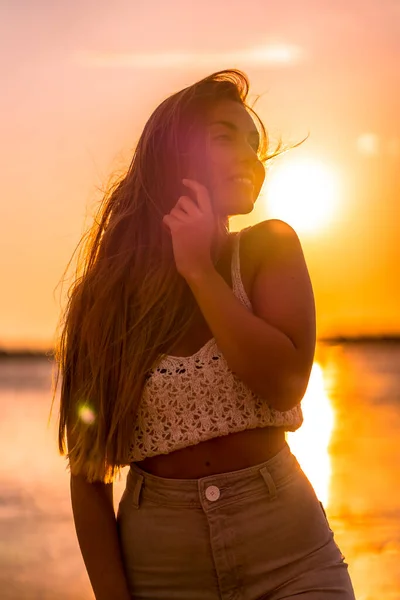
{"x":360,"y":339}
{"x":340,"y":339}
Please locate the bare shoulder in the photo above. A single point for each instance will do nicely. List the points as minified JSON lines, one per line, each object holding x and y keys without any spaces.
{"x":282,"y":292}
{"x":272,"y":241}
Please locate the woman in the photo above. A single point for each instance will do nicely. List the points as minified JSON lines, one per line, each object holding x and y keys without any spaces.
{"x":185,"y":353}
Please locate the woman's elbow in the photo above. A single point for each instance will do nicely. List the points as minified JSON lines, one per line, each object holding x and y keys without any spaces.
{"x":287,"y":395}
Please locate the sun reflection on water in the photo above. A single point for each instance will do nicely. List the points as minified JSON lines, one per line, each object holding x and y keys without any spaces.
{"x":310,"y":443}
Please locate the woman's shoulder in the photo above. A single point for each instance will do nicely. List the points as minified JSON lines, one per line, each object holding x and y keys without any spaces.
{"x":270,"y":237}
{"x":269,"y":228}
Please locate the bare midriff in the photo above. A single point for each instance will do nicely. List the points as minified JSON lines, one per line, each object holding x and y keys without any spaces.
{"x":230,"y":452}
{"x":219,"y":455}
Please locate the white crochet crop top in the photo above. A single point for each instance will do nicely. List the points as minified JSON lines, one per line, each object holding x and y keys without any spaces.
{"x":187,"y":400}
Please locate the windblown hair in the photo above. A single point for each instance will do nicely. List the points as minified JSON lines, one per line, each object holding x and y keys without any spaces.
{"x":128,"y":305}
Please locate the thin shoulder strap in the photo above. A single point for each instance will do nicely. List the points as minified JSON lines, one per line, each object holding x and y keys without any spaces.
{"x":237,"y":284}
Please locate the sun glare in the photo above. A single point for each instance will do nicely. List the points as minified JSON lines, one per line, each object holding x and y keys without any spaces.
{"x":304,"y":193}
{"x":310,"y":443}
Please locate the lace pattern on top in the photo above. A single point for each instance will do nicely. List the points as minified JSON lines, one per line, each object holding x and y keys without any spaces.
{"x":237,"y":284}
{"x":191,"y":399}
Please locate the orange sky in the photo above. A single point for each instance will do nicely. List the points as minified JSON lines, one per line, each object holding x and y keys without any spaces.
{"x":80,"y":79}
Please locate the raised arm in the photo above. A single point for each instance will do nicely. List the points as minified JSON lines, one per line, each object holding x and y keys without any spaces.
{"x":272,"y":349}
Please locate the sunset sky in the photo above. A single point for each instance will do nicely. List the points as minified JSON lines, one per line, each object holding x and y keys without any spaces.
{"x":80,"y":79}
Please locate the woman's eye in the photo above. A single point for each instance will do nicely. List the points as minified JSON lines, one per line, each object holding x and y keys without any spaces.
{"x":229,"y":138}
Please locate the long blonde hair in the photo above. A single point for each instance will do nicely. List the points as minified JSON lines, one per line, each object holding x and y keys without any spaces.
{"x":128,"y":304}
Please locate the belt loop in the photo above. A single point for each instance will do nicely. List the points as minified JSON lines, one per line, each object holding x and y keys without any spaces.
{"x":266,"y":475}
{"x":136,"y":491}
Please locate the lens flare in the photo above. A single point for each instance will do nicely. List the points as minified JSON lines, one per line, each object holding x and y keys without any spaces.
{"x":87,"y":414}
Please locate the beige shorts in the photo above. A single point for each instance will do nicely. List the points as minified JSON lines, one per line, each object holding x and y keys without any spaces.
{"x":252,"y":534}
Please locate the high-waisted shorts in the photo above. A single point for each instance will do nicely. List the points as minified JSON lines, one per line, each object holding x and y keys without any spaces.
{"x":251,"y":534}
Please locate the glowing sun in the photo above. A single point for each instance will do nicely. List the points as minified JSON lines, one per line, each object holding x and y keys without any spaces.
{"x":304,"y":193}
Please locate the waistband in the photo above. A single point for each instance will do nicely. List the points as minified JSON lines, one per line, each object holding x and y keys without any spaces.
{"x":191,"y":492}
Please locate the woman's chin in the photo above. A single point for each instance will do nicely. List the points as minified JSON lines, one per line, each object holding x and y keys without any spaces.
{"x":239,"y":205}
{"x":243,"y":206}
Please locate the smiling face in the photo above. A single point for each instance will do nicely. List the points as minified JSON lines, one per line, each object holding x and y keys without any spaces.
{"x":236,"y":173}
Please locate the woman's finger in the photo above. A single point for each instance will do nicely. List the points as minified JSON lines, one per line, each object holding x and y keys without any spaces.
{"x":179,"y":213}
{"x":202,"y":195}
{"x":188,"y":205}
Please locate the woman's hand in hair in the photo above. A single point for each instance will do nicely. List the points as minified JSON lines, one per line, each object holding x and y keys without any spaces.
{"x":192,"y":226}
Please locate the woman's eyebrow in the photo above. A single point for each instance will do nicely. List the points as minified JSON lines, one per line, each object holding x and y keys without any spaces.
{"x":234,"y":127}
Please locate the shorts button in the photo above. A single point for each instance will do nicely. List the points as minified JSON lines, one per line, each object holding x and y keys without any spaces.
{"x":212,"y":493}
